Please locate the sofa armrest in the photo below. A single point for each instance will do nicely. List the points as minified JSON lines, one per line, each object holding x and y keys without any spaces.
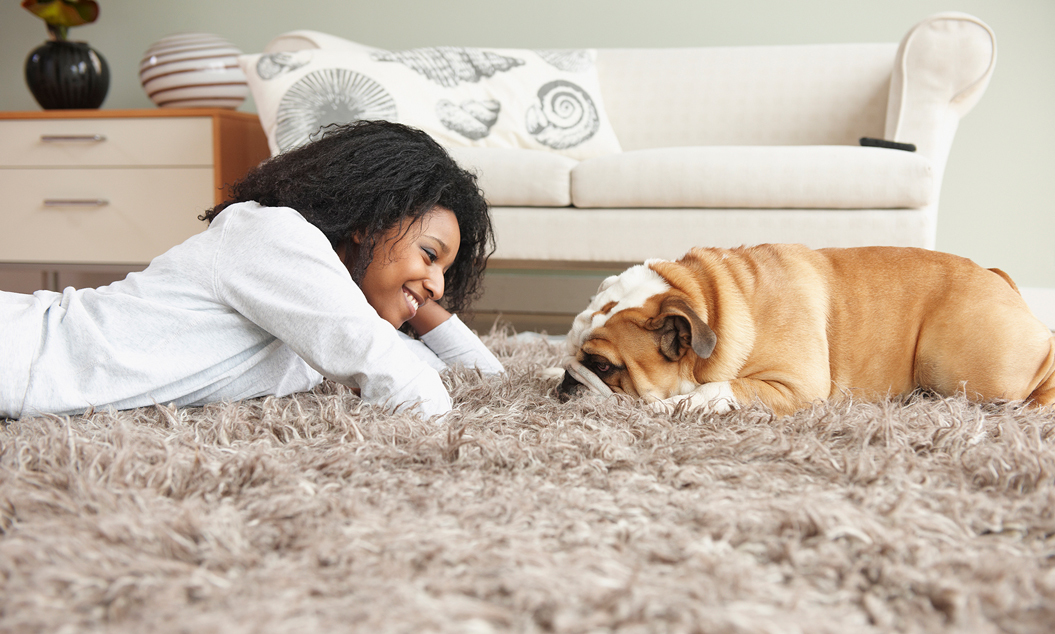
{"x":942,"y":68}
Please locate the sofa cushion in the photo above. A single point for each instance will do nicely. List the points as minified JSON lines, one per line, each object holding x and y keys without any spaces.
{"x":795,"y":177}
{"x":820,"y":94}
{"x":519,"y":178}
{"x":544,"y":100}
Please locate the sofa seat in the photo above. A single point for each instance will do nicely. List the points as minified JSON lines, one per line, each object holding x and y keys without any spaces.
{"x":780,"y":177}
{"x":519,"y":177}
{"x":795,"y":177}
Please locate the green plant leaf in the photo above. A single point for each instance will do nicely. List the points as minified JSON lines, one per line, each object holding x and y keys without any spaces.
{"x":63,"y":13}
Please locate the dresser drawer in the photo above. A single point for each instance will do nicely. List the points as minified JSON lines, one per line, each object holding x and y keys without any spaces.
{"x":106,"y":142}
{"x":113,"y":216}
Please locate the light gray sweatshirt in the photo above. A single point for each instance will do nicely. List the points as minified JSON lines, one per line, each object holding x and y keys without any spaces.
{"x":258,"y":304}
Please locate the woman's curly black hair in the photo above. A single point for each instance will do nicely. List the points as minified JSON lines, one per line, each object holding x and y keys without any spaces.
{"x":366,"y":178}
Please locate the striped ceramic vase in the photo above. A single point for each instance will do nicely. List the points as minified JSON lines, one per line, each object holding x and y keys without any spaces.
{"x":193,"y":70}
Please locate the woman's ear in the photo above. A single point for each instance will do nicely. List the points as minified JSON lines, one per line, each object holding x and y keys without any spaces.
{"x":348,"y":248}
{"x":341,"y":250}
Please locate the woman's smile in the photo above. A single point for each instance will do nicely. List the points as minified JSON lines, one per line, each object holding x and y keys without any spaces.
{"x":413,"y":302}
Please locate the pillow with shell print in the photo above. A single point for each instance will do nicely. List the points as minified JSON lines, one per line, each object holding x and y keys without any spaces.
{"x":540,"y":100}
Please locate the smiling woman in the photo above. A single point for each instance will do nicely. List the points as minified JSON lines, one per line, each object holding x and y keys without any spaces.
{"x":364,"y":181}
{"x":415,"y":260}
{"x":305,"y":273}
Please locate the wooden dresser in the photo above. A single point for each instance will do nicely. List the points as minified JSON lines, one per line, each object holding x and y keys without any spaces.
{"x":106,"y":190}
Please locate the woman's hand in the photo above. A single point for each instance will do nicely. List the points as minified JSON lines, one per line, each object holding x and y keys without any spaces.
{"x":429,"y":315}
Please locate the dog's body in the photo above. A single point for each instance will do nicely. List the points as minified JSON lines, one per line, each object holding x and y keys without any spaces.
{"x":787,"y":325}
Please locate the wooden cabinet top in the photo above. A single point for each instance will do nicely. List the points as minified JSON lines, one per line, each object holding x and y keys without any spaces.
{"x":220,"y":113}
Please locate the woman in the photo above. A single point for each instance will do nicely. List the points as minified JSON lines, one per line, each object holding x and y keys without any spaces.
{"x":304,"y":273}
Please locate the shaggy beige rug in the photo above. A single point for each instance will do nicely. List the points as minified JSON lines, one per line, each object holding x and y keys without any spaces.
{"x":520,"y":514}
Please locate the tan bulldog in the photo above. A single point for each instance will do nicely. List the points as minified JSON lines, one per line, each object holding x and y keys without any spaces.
{"x":787,"y":326}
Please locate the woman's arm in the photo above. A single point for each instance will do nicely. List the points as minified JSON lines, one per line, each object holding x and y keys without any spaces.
{"x":281,"y":273}
{"x":452,"y":341}
{"x":429,"y":315}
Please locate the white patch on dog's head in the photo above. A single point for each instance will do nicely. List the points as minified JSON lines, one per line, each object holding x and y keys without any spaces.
{"x":629,"y":289}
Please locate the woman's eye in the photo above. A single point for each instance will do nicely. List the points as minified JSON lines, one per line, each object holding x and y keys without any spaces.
{"x":430,"y":254}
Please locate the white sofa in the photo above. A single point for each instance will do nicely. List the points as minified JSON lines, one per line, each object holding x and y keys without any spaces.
{"x":714,"y":146}
{"x":725,"y":146}
{"x":731,"y":146}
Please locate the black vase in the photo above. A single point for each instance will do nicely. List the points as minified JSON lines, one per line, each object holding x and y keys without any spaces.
{"x":64,"y":75}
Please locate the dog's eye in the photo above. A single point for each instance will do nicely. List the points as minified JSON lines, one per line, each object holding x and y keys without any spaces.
{"x":599,"y":365}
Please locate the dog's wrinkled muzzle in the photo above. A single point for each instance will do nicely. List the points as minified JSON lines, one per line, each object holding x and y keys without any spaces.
{"x":577,"y":374}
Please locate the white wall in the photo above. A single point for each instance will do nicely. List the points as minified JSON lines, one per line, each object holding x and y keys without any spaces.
{"x":997,"y":205}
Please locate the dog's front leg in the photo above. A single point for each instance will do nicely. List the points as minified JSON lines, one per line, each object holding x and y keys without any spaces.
{"x":782,"y":392}
{"x":710,"y":398}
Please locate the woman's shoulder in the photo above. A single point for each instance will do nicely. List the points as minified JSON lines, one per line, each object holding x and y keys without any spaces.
{"x":253,"y":213}
{"x":251,"y":220}
{"x":247,"y":236}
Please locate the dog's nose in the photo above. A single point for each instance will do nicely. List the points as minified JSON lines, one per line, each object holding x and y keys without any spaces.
{"x":567,"y":388}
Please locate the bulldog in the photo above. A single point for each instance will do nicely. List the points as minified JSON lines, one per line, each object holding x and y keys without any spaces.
{"x":786,"y":325}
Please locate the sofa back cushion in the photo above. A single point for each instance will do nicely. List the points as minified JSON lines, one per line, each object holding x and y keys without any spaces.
{"x":826,"y":94}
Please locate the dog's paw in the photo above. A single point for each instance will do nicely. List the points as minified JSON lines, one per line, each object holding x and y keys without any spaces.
{"x":709,"y":398}
{"x":552,"y":374}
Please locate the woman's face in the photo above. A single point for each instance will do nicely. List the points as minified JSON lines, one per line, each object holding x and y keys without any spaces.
{"x":408,"y":265}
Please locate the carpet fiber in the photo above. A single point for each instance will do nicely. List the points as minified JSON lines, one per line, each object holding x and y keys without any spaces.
{"x":316,"y":513}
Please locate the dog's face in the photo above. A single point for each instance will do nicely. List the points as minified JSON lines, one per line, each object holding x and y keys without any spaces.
{"x":635,"y":338}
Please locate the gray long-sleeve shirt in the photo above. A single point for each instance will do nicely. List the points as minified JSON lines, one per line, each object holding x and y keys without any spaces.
{"x":258,"y":304}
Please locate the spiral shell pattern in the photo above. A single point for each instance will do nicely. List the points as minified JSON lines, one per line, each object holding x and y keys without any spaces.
{"x":564,"y":116}
{"x":323,"y":97}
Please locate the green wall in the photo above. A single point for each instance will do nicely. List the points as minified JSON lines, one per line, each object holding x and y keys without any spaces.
{"x":997,"y":204}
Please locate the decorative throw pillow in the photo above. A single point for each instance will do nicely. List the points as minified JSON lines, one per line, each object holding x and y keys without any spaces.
{"x":463,"y":97}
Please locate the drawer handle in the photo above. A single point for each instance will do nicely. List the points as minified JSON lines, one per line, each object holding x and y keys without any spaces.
{"x":72,"y":138}
{"x":76,"y":202}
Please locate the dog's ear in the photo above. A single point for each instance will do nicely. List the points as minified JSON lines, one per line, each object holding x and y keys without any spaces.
{"x":606,"y":283}
{"x":677,"y":328}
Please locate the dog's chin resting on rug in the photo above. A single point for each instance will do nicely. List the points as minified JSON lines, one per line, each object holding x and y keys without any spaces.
{"x":787,"y":326}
